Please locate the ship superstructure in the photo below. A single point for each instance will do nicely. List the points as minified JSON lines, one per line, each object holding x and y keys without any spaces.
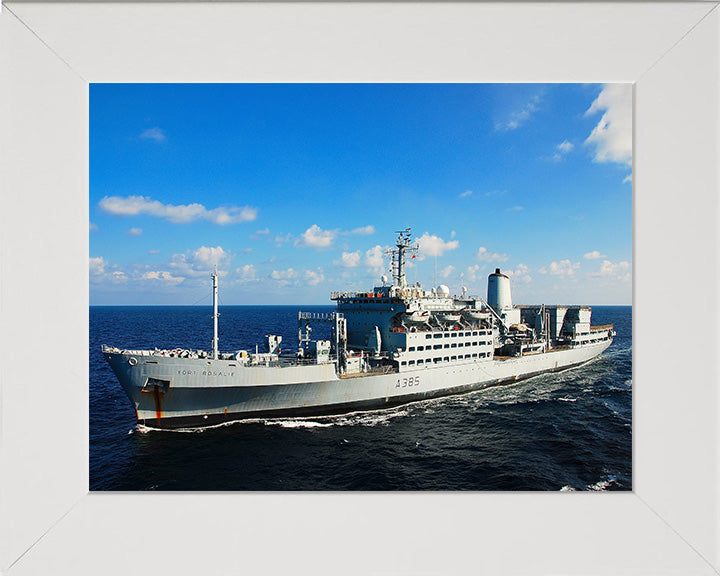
{"x":390,"y":345}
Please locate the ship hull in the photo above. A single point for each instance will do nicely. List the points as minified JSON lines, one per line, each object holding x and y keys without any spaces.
{"x":197,"y":393}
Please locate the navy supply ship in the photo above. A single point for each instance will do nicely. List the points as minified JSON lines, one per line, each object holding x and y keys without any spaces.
{"x":394,"y":344}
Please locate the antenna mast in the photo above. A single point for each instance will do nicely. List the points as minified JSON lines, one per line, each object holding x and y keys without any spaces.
{"x":397,"y":254}
{"x":215,"y":314}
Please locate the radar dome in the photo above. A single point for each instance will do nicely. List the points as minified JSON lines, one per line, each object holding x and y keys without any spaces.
{"x":443,"y":290}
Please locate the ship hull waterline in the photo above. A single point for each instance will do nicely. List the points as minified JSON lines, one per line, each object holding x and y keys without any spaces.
{"x":209,"y":393}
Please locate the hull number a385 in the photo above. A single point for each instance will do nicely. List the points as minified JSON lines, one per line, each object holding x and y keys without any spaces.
{"x":407,"y":382}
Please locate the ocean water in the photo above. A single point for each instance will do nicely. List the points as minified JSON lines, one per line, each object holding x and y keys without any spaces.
{"x":565,"y":431}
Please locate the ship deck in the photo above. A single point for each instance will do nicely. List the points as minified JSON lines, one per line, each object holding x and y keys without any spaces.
{"x":385,"y":370}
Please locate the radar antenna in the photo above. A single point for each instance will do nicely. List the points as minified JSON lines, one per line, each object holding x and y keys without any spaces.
{"x":397,"y":256}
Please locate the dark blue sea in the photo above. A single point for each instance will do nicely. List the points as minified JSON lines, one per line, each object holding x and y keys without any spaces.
{"x":566,"y":431}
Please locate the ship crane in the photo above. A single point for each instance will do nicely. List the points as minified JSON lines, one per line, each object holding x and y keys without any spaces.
{"x":495,"y":314}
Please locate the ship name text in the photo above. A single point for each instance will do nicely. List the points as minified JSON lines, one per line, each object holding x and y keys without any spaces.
{"x":204,"y":373}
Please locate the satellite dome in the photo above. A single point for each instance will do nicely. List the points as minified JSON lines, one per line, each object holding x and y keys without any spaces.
{"x":443,"y":290}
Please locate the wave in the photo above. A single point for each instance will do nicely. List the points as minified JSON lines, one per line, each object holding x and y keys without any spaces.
{"x":143,"y":429}
{"x":297,"y":424}
{"x":613,"y":409}
{"x":369,"y":418}
{"x":372,"y":418}
{"x":604,"y":484}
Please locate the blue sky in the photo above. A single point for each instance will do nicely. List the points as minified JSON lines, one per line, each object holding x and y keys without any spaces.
{"x":295,"y":190}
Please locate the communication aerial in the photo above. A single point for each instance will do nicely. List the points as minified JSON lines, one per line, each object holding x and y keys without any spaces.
{"x":397,"y":255}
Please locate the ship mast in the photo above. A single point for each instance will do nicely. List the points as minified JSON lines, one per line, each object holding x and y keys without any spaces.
{"x":215,"y":314}
{"x":402,"y":245}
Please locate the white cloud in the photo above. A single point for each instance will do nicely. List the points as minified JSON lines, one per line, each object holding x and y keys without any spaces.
{"x":181,"y":214}
{"x":431,"y":245}
{"x":314,"y":278}
{"x":445,"y":272}
{"x":248,"y":273}
{"x":263,"y":231}
{"x":232,"y":215}
{"x":466,"y":194}
{"x":619,"y":270}
{"x":612,"y":137}
{"x":484,"y":256}
{"x":562,"y":150}
{"x":201,"y":262}
{"x":93,"y":227}
{"x":562,"y":268}
{"x":471,"y":274}
{"x":516,"y":209}
{"x":363,"y":231}
{"x":284,"y":277}
{"x":134,"y":232}
{"x":97,"y":266}
{"x":519,"y":274}
{"x":349,"y":260}
{"x":162,"y":276}
{"x":594,"y":255}
{"x":153,"y":251}
{"x":210,"y":256}
{"x":375,"y":258}
{"x":628,"y":178}
{"x":102,"y":271}
{"x":519,"y":117}
{"x":565,"y":146}
{"x":283,"y":274}
{"x":118,"y":277}
{"x":157,"y":134}
{"x":280,"y":240}
{"x":316,"y":237}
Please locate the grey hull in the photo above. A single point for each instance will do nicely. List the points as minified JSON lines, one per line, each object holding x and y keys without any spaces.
{"x":207,"y":392}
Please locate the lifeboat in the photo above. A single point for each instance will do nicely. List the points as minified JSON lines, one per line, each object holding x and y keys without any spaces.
{"x":448,"y":317}
{"x":417,"y":317}
{"x":473,"y":314}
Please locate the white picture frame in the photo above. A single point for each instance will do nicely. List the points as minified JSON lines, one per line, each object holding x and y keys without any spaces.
{"x":50,"y":524}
